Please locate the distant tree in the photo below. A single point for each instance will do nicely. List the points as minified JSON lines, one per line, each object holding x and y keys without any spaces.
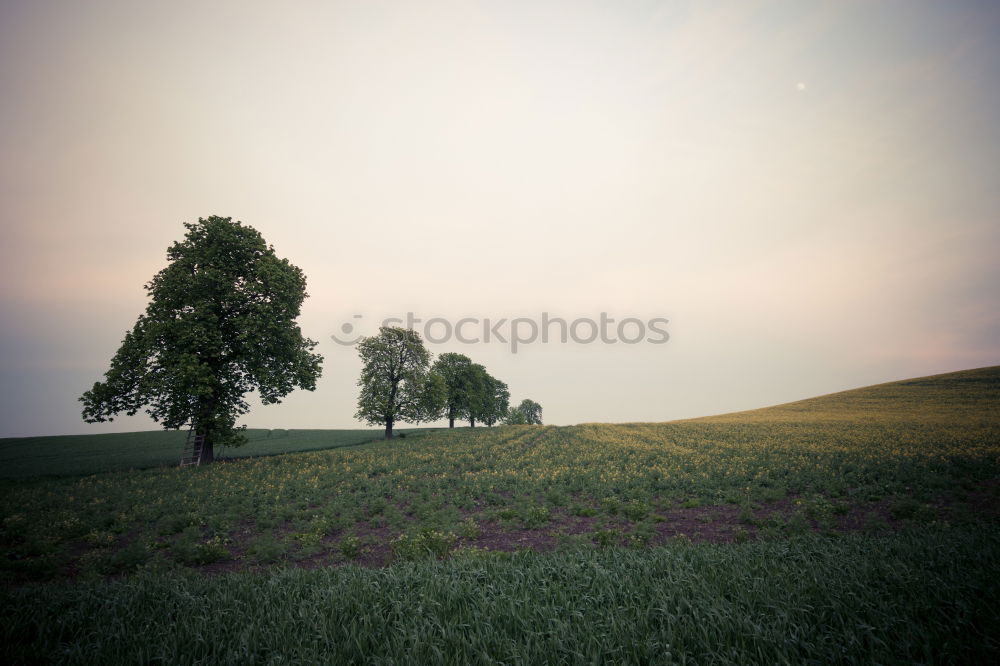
{"x":478,"y":393}
{"x":515,"y":417}
{"x":496,"y":401}
{"x":532,"y":412}
{"x":220,"y":323}
{"x":396,"y":382}
{"x":473,"y":393}
{"x":456,"y":370}
{"x":528,"y":412}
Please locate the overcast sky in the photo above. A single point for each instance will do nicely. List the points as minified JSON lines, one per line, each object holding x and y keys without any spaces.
{"x":808,"y":192}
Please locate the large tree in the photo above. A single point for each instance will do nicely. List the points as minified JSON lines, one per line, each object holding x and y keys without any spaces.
{"x":220,"y":323}
{"x":396,"y":381}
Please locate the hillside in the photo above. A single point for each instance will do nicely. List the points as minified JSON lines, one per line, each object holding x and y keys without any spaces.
{"x":780,"y":535}
{"x":952,"y":397}
{"x":922,"y":444}
{"x":957,"y":398}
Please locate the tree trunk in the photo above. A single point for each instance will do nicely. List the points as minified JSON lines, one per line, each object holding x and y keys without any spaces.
{"x":207,"y":451}
{"x":472,"y":421}
{"x":451,"y":421}
{"x":205,"y":425}
{"x":390,"y":418}
{"x":207,"y":454}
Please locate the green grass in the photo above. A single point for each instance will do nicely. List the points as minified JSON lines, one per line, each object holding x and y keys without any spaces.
{"x":627,"y":476}
{"x":916,"y":463}
{"x":70,"y":455}
{"x":924,"y":597}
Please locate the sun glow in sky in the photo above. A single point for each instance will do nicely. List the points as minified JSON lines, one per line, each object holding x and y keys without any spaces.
{"x":809,"y":192}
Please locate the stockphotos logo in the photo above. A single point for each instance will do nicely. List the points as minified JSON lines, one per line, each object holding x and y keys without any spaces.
{"x":519,"y":331}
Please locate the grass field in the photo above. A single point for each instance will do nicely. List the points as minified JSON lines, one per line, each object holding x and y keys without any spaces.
{"x":910,"y":598}
{"x":71,"y":455}
{"x":855,"y":527}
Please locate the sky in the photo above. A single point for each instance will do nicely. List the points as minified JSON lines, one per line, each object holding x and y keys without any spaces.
{"x":808,"y":192}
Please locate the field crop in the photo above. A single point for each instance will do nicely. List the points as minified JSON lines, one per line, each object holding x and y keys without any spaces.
{"x":908,"y":598}
{"x":857,"y":480}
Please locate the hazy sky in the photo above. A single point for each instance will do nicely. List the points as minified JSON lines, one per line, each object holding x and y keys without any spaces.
{"x":809,"y":192}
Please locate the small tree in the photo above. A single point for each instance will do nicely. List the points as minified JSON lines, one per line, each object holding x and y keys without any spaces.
{"x":396,"y":382}
{"x":478,"y":392}
{"x":528,"y":412}
{"x":495,"y":404}
{"x":220,"y":323}
{"x":515,"y":417}
{"x":456,"y":370}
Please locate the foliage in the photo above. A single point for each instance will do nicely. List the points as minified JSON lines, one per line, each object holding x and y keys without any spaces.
{"x":458,"y":375}
{"x":220,"y":324}
{"x":495,"y":402}
{"x":396,"y":384}
{"x":350,"y":547}
{"x":528,"y":412}
{"x":469,"y":529}
{"x":478,"y":394}
{"x":422,"y":544}
{"x":472,"y":392}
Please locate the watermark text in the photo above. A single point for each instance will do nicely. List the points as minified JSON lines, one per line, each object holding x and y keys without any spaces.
{"x":516,"y":332}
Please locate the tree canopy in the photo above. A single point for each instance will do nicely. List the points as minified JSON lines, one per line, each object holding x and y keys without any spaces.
{"x":220,"y":323}
{"x":496,"y":398}
{"x":478,"y":387}
{"x":396,"y":382}
{"x":528,"y":412}
{"x":456,"y":370}
{"x":472,"y":393}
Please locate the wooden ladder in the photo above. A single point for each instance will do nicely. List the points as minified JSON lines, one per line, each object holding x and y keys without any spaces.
{"x":192,"y":449}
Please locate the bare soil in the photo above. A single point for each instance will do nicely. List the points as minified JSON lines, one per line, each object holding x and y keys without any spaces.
{"x":722,"y":523}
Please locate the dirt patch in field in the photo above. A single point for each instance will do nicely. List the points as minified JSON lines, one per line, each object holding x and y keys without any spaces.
{"x":582,"y":522}
{"x":493,"y":536}
{"x":729,"y":523}
{"x":715,"y":524}
{"x":724,"y":523}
